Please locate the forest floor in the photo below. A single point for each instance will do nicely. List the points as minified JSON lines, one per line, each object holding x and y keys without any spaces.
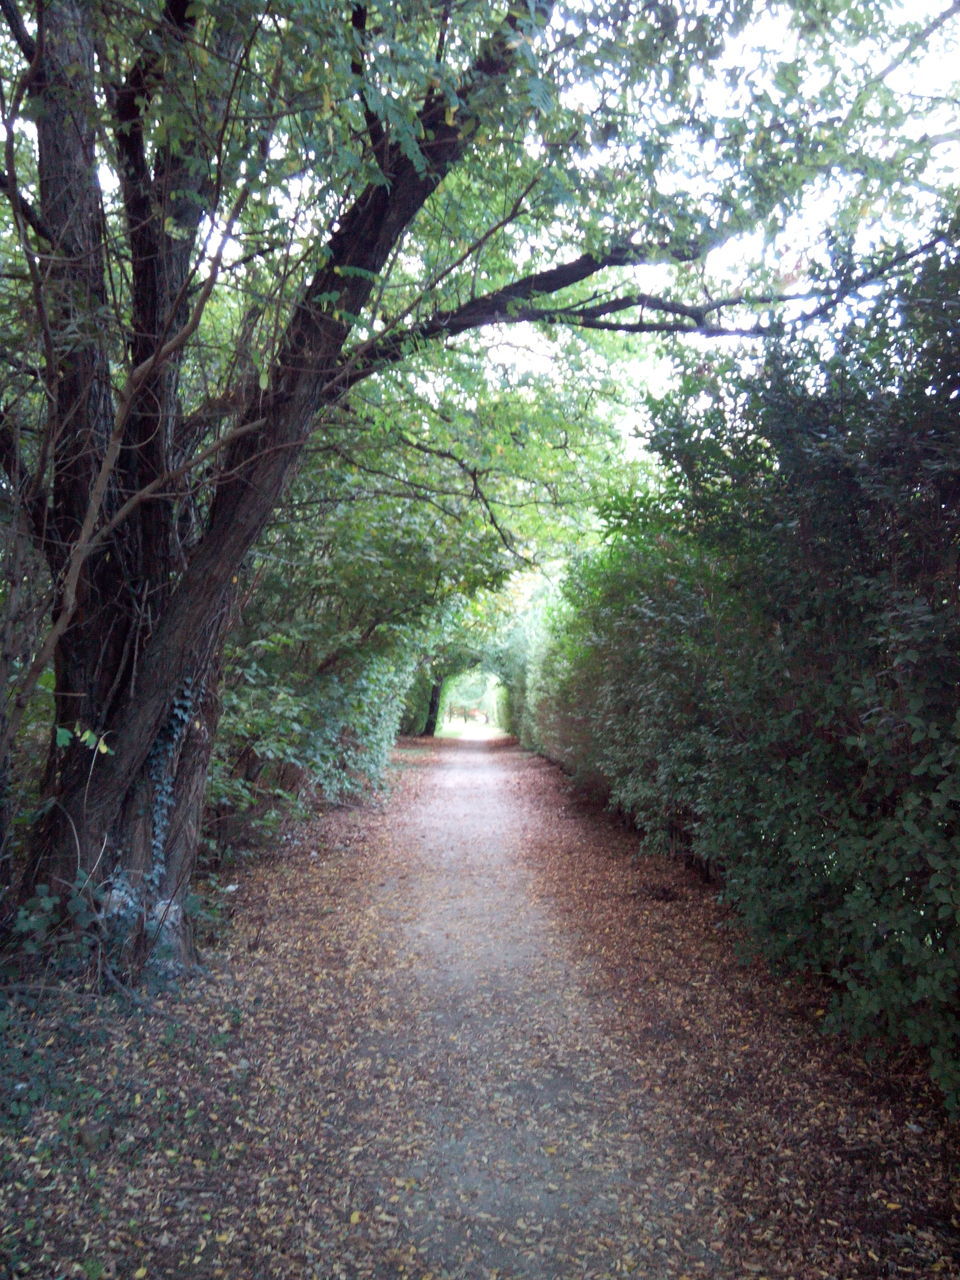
{"x":463,"y":1033}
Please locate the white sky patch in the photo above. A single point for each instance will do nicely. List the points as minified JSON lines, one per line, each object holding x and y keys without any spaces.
{"x":930,"y":81}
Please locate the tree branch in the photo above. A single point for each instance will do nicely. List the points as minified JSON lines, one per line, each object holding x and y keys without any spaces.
{"x":29,"y":214}
{"x":131,"y":98}
{"x":524,"y":301}
{"x":917,"y":41}
{"x":375,"y":130}
{"x":14,"y":20}
{"x":28,"y":494}
{"x":429,"y":492}
{"x":508,"y":304}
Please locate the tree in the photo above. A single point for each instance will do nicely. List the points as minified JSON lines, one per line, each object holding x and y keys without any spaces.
{"x":224,"y":218}
{"x":345,"y":592}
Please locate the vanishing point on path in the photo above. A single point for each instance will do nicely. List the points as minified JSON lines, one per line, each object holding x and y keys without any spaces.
{"x":464,"y":1035}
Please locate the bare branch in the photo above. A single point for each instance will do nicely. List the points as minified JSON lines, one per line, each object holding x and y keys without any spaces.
{"x":159,"y":485}
{"x":525,"y":301}
{"x":475,"y":493}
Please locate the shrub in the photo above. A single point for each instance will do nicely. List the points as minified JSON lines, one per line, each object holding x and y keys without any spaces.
{"x":763,"y":662}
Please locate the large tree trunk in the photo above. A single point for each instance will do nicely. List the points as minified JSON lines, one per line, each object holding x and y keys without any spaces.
{"x":146,"y":570}
{"x":121,"y":807}
{"x":80,"y":422}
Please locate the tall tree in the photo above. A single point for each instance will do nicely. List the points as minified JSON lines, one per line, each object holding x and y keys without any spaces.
{"x":223,"y":217}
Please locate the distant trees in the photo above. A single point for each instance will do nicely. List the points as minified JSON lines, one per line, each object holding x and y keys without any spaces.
{"x":344,"y":595}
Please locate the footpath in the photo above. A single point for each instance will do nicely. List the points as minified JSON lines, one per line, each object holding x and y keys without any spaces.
{"x":463,"y":1034}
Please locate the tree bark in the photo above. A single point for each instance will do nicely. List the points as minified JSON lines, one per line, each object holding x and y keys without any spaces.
{"x":125,"y":809}
{"x":141,"y":612}
{"x":433,"y":710}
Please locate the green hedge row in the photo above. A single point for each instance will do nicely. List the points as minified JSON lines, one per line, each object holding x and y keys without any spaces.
{"x":762,"y":663}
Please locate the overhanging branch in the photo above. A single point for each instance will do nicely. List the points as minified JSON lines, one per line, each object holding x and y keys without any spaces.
{"x":29,"y":214}
{"x":528,"y":301}
{"x":14,"y":20}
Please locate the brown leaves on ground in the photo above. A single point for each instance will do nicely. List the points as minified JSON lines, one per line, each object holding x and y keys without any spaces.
{"x":464,"y":1034}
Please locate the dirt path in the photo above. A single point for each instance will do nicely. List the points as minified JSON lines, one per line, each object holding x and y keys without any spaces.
{"x":464,"y":1035}
{"x":517,"y":1113}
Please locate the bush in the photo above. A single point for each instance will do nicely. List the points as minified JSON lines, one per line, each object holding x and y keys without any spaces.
{"x":762,"y":664}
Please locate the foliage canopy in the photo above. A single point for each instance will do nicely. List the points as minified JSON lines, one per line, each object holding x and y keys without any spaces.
{"x":247,"y":249}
